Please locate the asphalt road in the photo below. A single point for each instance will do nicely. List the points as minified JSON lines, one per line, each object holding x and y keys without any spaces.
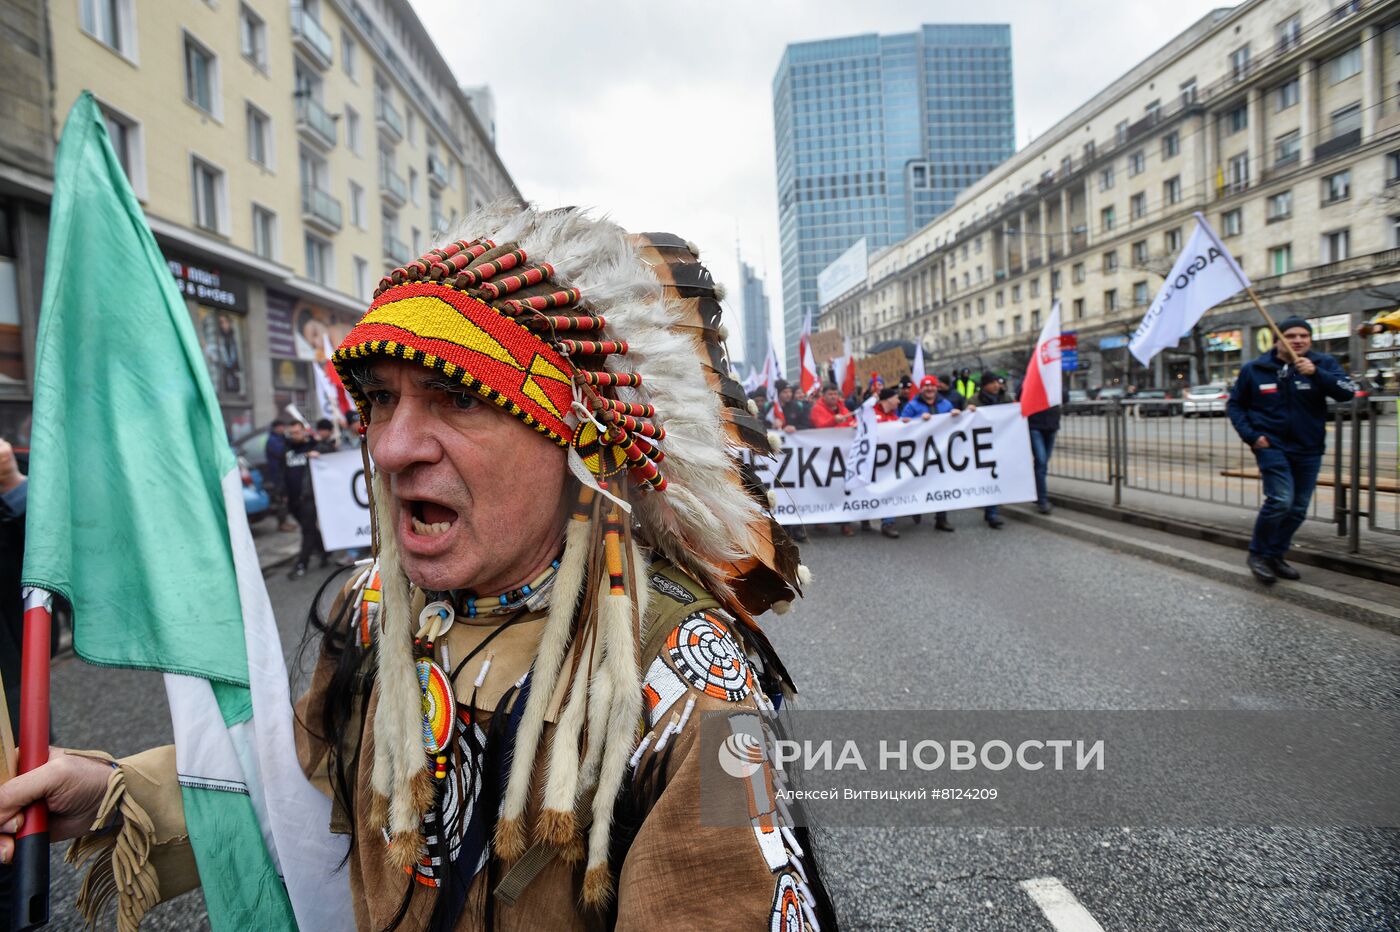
{"x":1016,"y":619}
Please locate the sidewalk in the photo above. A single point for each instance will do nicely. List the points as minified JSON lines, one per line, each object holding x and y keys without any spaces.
{"x":274,"y":547}
{"x":1315,"y":544}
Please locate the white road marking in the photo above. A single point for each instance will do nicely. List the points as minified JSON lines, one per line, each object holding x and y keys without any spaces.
{"x":1065,"y":912}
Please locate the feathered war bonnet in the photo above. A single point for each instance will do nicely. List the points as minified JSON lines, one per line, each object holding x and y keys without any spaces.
{"x":610,"y":345}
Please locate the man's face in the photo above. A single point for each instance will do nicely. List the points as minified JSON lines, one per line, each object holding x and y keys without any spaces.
{"x":888,"y":404}
{"x":993,"y":387}
{"x":785,"y":395}
{"x":324,"y":434}
{"x":832,"y":398}
{"x":1299,"y":340}
{"x":476,"y":497}
{"x":929,"y":393}
{"x":296,"y":433}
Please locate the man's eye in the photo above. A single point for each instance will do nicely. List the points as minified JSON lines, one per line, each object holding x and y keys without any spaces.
{"x":463,"y":401}
{"x":379,"y":396}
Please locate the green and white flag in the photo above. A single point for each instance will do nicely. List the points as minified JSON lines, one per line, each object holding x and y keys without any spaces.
{"x":136,"y":518}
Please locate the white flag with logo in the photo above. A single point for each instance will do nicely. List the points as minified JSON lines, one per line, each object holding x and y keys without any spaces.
{"x":860,"y":459}
{"x":1204,"y":275}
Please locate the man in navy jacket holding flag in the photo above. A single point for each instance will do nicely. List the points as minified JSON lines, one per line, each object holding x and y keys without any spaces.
{"x":1279,"y":408}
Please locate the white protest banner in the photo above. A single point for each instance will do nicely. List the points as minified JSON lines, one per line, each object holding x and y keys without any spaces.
{"x":973,"y":460}
{"x":342,"y":504}
{"x":1204,"y":275}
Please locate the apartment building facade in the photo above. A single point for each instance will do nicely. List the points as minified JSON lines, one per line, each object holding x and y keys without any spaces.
{"x":1278,"y":120}
{"x":286,"y":156}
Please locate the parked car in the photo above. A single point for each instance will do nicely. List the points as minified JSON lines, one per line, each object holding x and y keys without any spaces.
{"x":253,"y":448}
{"x":1363,"y":389}
{"x":1111,"y":393}
{"x":256,"y":501}
{"x":1154,"y":402}
{"x":1205,"y":400}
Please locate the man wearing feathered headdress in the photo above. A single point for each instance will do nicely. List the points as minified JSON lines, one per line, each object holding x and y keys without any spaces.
{"x":569,"y":557}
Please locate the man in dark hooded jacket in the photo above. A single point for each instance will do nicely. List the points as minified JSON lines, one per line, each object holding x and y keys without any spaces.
{"x":1279,"y":409}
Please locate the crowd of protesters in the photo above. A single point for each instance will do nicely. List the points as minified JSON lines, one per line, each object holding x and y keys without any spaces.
{"x":905,"y":401}
{"x":291,"y":446}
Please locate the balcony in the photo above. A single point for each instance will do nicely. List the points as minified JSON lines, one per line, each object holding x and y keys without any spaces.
{"x":320,"y":210}
{"x":311,"y":37}
{"x":315,"y":125}
{"x":395,"y":251}
{"x":437,"y":171}
{"x":1337,"y":145}
{"x":392,"y":186}
{"x":388,"y":118}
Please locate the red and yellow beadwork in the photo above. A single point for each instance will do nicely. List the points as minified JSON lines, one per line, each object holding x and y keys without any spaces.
{"x":475,"y":312}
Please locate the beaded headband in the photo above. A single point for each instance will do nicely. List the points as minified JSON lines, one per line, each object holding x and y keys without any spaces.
{"x":502,"y":328}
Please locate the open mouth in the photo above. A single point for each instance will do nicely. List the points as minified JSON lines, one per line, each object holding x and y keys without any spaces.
{"x":430,"y":518}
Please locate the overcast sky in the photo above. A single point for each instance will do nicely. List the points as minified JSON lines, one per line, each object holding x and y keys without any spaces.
{"x":660,"y":114}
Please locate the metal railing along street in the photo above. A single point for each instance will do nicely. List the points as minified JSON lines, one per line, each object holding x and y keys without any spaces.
{"x":1152,"y":445}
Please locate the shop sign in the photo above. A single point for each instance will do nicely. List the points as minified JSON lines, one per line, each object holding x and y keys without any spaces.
{"x":1224,"y":341}
{"x":210,"y":286}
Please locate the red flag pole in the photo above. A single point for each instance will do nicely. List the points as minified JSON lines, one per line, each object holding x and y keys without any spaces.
{"x":29,"y":907}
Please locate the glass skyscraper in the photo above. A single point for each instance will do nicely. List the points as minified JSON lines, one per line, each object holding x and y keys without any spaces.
{"x":755,"y":316}
{"x":876,"y":135}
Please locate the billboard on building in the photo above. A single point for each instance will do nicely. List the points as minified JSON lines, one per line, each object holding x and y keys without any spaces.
{"x":845,"y":273}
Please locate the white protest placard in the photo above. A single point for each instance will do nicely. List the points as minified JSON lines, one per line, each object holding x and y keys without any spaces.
{"x":976,"y":459}
{"x":342,"y":502}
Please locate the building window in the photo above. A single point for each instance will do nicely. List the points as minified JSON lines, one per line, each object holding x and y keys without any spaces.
{"x":1188,"y":91}
{"x":1001,"y":299}
{"x":1336,"y":187}
{"x":1110,"y":261}
{"x":357,"y":205}
{"x":1392,"y":168}
{"x":1343,"y":66}
{"x":264,"y":232}
{"x":1171,"y":190}
{"x":1076,"y":273}
{"x":1288,"y":148}
{"x":259,"y":137}
{"x":1237,"y":119}
{"x":354,"y":140}
{"x":1137,"y":163}
{"x":362,"y":289}
{"x":1034,"y":288}
{"x":252,"y":37}
{"x":1106,"y":178}
{"x":201,"y":76}
{"x":1171,"y":144}
{"x":1016,"y":294}
{"x":1336,"y":245}
{"x":1238,"y":173}
{"x":1346,"y":120}
{"x":1106,"y":216}
{"x":1139,"y":294}
{"x":1089,"y":148}
{"x":981,"y":306}
{"x":1239,"y":62}
{"x":413,"y":190}
{"x":111,"y":23}
{"x":1281,"y":259}
{"x":1140,"y":253}
{"x":1394,"y":231}
{"x":1001,"y":328}
{"x":1016,"y":323}
{"x":349,"y":57}
{"x":1232,"y":222}
{"x":1120,"y":132}
{"x":1280,"y":206}
{"x":318,"y":259}
{"x":1137,"y":205}
{"x":1172,"y":241}
{"x":1078,"y":309}
{"x":1110,"y":300}
{"x":1289,"y":32}
{"x":1286,"y":95}
{"x":209,"y":196}
{"x":412,"y":120}
{"x":125,"y":134}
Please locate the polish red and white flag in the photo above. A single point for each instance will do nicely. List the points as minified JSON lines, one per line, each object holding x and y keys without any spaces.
{"x":1041,"y":389}
{"x":810,"y":381}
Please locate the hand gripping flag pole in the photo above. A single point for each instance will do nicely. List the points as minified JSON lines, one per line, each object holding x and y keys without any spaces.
{"x":29,"y":903}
